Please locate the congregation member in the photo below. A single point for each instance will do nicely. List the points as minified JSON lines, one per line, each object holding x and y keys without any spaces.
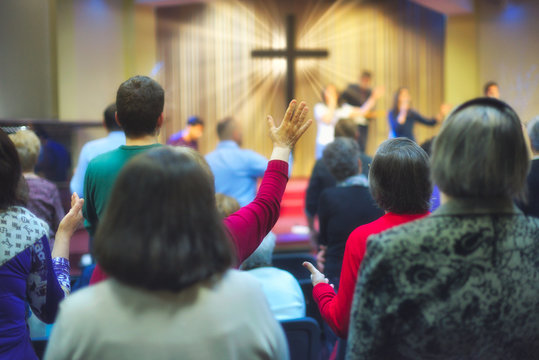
{"x":190,"y":135}
{"x":462,"y":282}
{"x":344,"y":207}
{"x":329,"y":112}
{"x":435,"y":198}
{"x":402,"y":117}
{"x":139,"y":112}
{"x":492,"y":90}
{"x":161,"y":300}
{"x":322,"y":179}
{"x":236,"y":170}
{"x":357,"y":95}
{"x":54,"y":160}
{"x":530,"y":206}
{"x":399,"y":182}
{"x":281,"y":288}
{"x":115,"y":138}
{"x":43,"y":196}
{"x":29,"y":272}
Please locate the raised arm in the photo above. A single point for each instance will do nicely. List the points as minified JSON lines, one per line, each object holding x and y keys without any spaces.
{"x":249,"y":225}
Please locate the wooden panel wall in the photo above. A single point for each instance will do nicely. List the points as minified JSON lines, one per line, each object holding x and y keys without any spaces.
{"x":208,"y":70}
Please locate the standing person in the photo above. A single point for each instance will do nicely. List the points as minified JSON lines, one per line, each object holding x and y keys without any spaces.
{"x":357,"y":95}
{"x":344,"y":207}
{"x":462,"y":282}
{"x":190,"y":135}
{"x":115,"y":138}
{"x":54,"y":161}
{"x":29,"y":272}
{"x":171,"y":292}
{"x":236,"y":170}
{"x":328,"y":113}
{"x":139,"y":111}
{"x":399,"y":182}
{"x":43,"y":196}
{"x":491,"y":89}
{"x":402,"y":117}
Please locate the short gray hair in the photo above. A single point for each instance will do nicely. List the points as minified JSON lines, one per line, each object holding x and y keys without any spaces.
{"x":28,"y":147}
{"x":533,"y":133}
{"x":342,"y":158}
{"x":481,"y":151}
{"x":262,"y":255}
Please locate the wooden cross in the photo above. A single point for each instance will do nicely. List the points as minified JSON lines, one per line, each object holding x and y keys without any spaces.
{"x":290,"y":53}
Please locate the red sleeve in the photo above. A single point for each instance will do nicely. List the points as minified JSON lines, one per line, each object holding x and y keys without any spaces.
{"x":335,"y":308}
{"x":250,"y":224}
{"x":98,"y":275}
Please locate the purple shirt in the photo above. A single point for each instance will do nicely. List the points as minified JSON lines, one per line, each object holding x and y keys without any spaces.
{"x":44,"y":202}
{"x":178,"y":139}
{"x":27,"y":274}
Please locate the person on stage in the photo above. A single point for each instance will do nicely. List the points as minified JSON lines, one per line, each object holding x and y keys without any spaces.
{"x":327,"y":114}
{"x":402,"y":117}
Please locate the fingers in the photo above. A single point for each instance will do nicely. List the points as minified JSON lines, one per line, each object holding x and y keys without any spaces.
{"x":289,"y":111}
{"x":310,"y":267}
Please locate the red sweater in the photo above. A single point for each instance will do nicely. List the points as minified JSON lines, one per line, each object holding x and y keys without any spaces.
{"x":335,"y":308}
{"x":250,"y":224}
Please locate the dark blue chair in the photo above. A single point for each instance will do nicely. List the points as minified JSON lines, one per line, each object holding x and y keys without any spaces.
{"x":303,"y":337}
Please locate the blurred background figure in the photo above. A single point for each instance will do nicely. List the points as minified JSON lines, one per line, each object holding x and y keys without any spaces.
{"x":530,"y":206}
{"x":43,"y":196}
{"x":190,"y":135}
{"x":54,"y":161}
{"x":402,"y":117}
{"x":91,"y":149}
{"x":491,"y":89}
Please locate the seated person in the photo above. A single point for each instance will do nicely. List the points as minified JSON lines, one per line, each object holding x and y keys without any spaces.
{"x":462,"y":282}
{"x":43,"y":196}
{"x":345,"y":207}
{"x":281,"y":288}
{"x":171,"y":292}
{"x":29,"y":272}
{"x":400,"y":184}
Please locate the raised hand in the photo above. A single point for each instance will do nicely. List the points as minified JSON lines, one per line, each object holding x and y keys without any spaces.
{"x":316,"y":276}
{"x":291,"y":128}
{"x":67,"y":227}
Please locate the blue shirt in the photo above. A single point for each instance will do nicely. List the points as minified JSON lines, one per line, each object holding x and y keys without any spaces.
{"x":89,"y":151}
{"x":236,"y":170}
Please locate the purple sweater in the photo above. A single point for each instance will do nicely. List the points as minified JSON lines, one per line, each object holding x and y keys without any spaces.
{"x":27,"y":274}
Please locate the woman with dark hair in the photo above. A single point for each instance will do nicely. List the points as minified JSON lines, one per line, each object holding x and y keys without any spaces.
{"x":344,"y":207}
{"x":28,"y":273}
{"x":399,"y":181}
{"x":461,"y":283}
{"x":171,"y":292}
{"x":402,"y":117}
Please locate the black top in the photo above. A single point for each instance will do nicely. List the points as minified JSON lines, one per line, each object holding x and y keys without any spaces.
{"x":407,"y":129}
{"x":322,"y":179}
{"x":355,"y":95}
{"x":532,"y":207}
{"x":340,"y":211}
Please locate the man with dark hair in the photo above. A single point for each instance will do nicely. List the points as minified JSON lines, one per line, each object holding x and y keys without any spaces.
{"x":91,"y":149}
{"x":235,"y":170}
{"x":491,"y":89}
{"x":190,"y":135}
{"x":357,"y":95}
{"x":139,"y":111}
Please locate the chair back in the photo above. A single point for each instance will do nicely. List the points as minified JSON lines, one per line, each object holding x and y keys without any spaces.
{"x":303,"y":337}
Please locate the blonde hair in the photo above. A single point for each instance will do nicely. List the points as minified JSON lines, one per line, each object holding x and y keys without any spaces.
{"x":28,"y":146}
{"x":226,"y":205}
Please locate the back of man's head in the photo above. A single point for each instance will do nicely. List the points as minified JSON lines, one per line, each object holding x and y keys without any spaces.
{"x":139,"y":104}
{"x":225,"y":128}
{"x":110,"y":118}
